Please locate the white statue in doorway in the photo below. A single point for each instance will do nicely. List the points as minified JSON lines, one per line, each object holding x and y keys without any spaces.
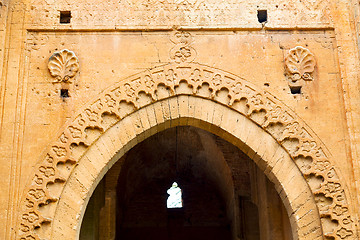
{"x":175,"y":199}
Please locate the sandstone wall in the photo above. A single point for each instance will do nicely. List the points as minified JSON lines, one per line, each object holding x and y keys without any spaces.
{"x":115,"y":39}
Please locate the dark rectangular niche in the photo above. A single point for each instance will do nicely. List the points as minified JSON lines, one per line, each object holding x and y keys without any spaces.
{"x":262,"y":16}
{"x":295,"y":90}
{"x":64,"y":93}
{"x":65,"y":17}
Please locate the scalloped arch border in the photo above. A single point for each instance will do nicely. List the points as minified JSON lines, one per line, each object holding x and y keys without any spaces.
{"x":192,"y":79}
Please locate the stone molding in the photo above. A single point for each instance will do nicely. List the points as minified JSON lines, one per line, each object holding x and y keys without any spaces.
{"x":150,"y":86}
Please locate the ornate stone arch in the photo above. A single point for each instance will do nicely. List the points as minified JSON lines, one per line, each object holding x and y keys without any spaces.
{"x":290,"y":154}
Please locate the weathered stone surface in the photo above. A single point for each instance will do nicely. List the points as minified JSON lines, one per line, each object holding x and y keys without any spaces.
{"x":137,"y":68}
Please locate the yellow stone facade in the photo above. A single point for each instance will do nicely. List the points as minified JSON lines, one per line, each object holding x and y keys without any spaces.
{"x":82,"y":82}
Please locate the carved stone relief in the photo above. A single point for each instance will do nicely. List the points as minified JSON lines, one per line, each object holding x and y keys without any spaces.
{"x":299,"y":66}
{"x":63,"y":65}
{"x":259,"y":106}
{"x":182,"y":52}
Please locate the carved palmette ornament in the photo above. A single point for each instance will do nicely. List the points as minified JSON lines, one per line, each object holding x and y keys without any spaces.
{"x":300,"y":64}
{"x":63,"y":65}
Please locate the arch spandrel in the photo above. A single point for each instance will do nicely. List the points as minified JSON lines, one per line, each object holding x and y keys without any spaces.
{"x":225,"y":91}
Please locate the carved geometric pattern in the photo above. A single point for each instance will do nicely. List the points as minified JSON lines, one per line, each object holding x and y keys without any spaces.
{"x":313,"y":4}
{"x":259,"y":106}
{"x":63,"y":65}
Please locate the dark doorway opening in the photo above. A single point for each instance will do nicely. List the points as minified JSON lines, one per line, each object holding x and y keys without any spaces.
{"x":224,"y":194}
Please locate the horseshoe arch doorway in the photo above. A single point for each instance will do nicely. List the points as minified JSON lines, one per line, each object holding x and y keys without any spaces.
{"x":224,"y":194}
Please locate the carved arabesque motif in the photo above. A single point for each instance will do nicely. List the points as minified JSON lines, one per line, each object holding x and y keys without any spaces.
{"x":63,"y":65}
{"x":189,"y":79}
{"x":182,"y":52}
